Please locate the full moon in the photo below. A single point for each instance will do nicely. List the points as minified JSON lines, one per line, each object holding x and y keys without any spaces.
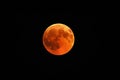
{"x":58,"y":39}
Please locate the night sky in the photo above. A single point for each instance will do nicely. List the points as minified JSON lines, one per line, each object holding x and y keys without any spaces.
{"x":30,"y":26}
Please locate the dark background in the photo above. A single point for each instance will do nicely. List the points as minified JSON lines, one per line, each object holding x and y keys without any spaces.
{"x":30,"y":26}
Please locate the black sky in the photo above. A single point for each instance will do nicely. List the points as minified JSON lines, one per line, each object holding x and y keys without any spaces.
{"x":30,"y":25}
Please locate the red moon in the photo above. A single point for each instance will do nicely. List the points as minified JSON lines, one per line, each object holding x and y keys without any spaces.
{"x":58,"y":39}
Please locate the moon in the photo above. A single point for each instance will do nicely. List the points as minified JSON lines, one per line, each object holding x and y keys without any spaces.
{"x":58,"y":39}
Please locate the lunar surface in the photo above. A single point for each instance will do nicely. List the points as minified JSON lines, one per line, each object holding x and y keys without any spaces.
{"x":58,"y":39}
